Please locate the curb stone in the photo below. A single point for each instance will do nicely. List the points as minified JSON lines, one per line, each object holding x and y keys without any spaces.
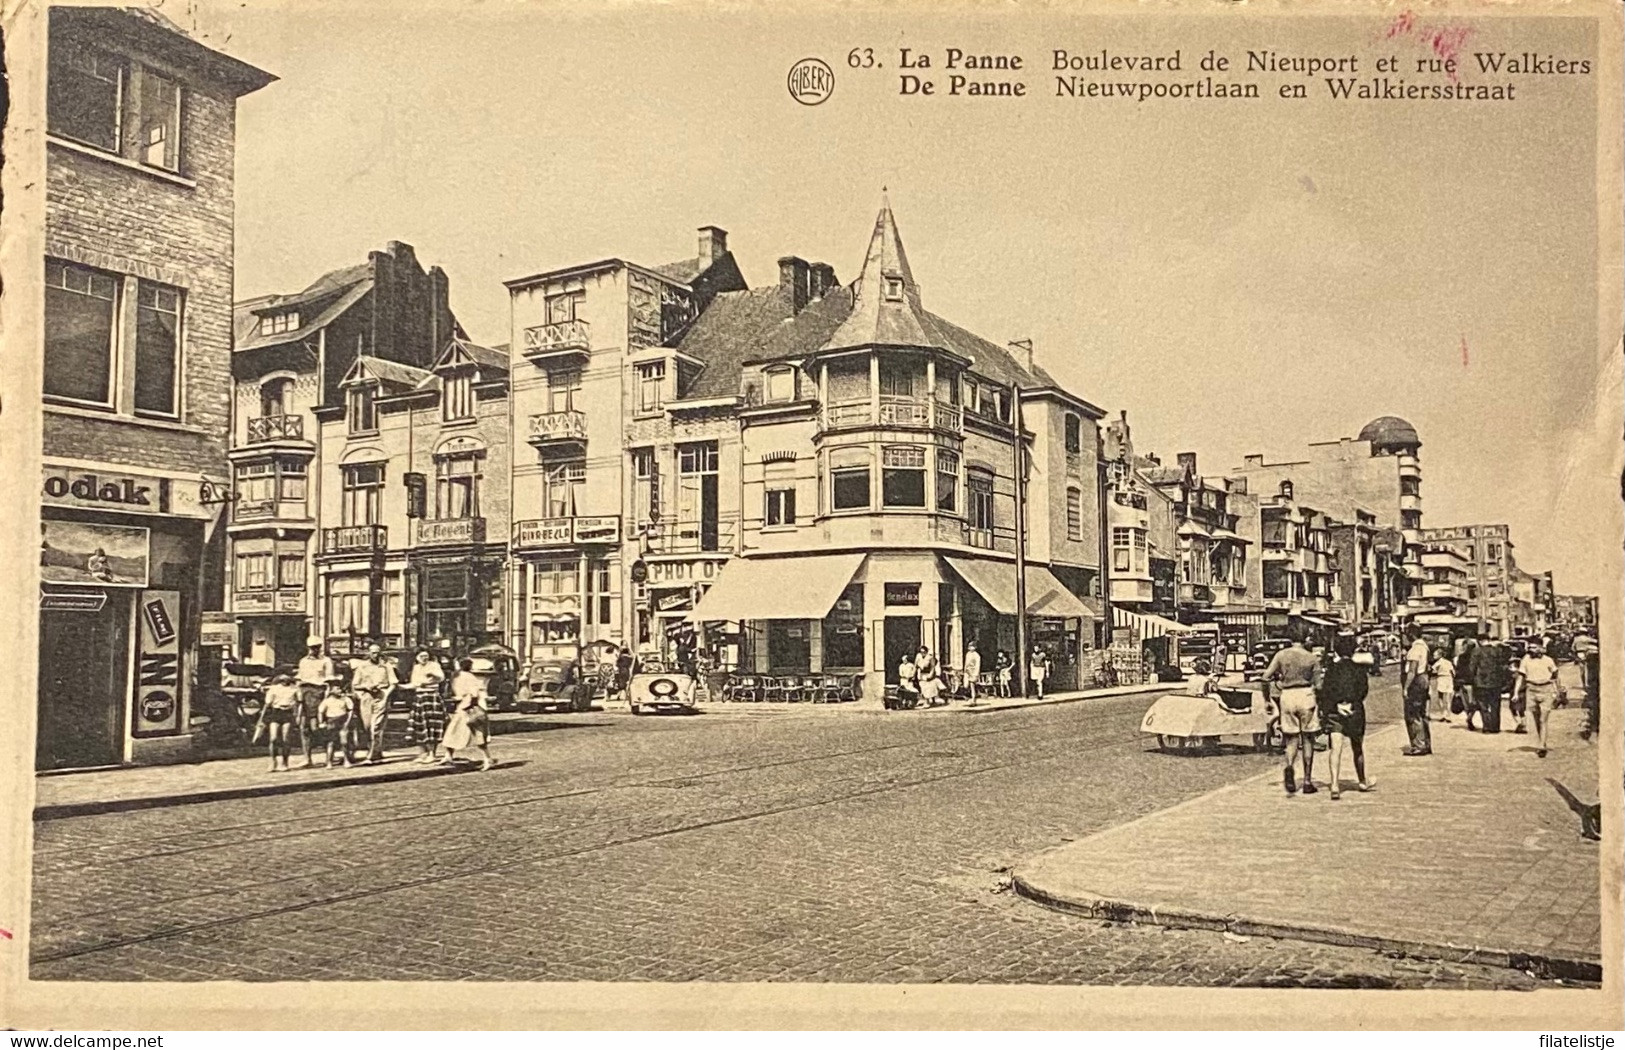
{"x":294,"y":785}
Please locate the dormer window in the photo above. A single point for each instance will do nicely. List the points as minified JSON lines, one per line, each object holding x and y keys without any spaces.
{"x":286,"y":321}
{"x":894,"y":289}
{"x":781,"y":384}
{"x":457,"y":396}
{"x":363,"y":409}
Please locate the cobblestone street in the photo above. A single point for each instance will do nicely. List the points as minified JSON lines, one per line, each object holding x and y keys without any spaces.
{"x":725,"y":847}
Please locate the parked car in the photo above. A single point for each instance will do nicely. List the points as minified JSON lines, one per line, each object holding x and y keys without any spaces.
{"x":556,"y":685}
{"x":1262,"y":654}
{"x":243,"y":685}
{"x":499,"y":667}
{"x":655,"y":688}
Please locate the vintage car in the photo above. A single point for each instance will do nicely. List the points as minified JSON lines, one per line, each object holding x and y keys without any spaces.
{"x":1210,"y":712}
{"x":655,"y":688}
{"x":243,"y":686}
{"x":1259,"y":659}
{"x":556,"y":685}
{"x":499,"y":667}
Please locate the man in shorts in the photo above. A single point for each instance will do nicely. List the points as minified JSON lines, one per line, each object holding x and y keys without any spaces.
{"x":315,"y":672}
{"x":1537,"y":680}
{"x":1292,"y":672}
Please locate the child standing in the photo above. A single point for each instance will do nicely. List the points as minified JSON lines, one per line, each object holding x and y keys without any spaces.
{"x":333,"y":720}
{"x":280,"y":710}
{"x":1444,"y":682}
{"x":1002,"y":667}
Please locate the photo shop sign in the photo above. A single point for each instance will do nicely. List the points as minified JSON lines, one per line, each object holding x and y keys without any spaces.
{"x":105,"y":490}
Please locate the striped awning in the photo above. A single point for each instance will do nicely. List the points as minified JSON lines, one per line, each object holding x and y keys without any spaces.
{"x":1149,"y":625}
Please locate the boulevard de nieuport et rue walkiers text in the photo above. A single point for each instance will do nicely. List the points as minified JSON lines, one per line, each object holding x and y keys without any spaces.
{"x":1428,"y":66}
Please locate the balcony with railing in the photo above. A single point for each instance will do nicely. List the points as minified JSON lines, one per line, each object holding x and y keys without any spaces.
{"x":1440,"y":590}
{"x":450,"y":531}
{"x":558,"y":341}
{"x":692,"y":537}
{"x":262,"y":429}
{"x":554,"y":428}
{"x":905,"y":413}
{"x":355,"y":539}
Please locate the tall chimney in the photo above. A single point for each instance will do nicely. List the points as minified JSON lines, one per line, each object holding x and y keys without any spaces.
{"x":713,"y":244}
{"x":1023,"y":351}
{"x":823,"y":279}
{"x":795,"y":278}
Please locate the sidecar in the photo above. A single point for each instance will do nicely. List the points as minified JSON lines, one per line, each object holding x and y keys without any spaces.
{"x":1210,"y":713}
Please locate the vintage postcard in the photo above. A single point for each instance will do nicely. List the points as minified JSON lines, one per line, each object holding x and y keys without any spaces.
{"x":510,"y":508}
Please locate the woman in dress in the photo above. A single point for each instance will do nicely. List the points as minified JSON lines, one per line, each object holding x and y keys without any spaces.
{"x":908,"y":683}
{"x":1341,"y":698}
{"x":930,"y":676}
{"x":1038,"y":670}
{"x":470,"y":724}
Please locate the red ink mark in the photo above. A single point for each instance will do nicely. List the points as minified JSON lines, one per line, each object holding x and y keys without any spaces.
{"x":1446,"y":43}
{"x":6,"y":934}
{"x":1464,"y":350}
{"x":1402,"y":25}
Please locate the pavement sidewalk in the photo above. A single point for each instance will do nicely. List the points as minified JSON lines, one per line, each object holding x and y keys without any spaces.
{"x":145,"y":787}
{"x":1472,"y":854}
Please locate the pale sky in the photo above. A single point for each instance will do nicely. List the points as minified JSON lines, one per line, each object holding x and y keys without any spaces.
{"x":1240,"y":277}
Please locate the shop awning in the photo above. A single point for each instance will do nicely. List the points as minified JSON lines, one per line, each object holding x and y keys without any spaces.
{"x":802,"y":587}
{"x":1319,"y":621}
{"x":1191,"y":528}
{"x":1150,"y":625}
{"x":995,"y":581}
{"x":1226,"y":534}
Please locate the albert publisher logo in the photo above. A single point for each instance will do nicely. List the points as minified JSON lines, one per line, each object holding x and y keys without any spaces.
{"x":811,"y":81}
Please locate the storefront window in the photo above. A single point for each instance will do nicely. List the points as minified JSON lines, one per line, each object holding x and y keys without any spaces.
{"x":600,"y":594}
{"x":843,"y":630}
{"x":393,"y":605}
{"x":902,"y":479}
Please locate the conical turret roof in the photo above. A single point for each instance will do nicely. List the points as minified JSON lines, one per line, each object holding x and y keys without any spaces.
{"x":886,"y":307}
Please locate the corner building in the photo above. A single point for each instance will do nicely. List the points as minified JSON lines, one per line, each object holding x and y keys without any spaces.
{"x":140,"y":145}
{"x":876,"y":481}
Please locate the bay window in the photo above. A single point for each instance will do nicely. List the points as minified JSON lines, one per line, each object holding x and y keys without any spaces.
{"x":947,"y":481}
{"x":902,"y":476}
{"x":849,"y":478}
{"x":1121,"y":550}
{"x":254,"y":571}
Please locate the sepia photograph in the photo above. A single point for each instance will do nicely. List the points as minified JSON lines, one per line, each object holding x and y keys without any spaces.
{"x":512,"y":509}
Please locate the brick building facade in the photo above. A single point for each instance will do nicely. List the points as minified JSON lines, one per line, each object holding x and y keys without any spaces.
{"x":138,"y":241}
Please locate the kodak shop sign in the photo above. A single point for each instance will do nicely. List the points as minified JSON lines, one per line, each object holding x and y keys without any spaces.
{"x":105,"y":490}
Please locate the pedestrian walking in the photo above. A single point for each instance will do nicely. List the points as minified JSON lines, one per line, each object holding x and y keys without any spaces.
{"x":1341,"y":699}
{"x":624,"y":664}
{"x":281,"y":710}
{"x":1490,"y":674}
{"x":315,"y":673}
{"x":428,"y":710}
{"x":1038,"y":670}
{"x":1413,"y":681}
{"x":372,"y":682}
{"x":1466,"y":668}
{"x":973,"y":670}
{"x":1443,"y":674}
{"x":1003,"y":668}
{"x":1292,"y":672}
{"x":1537,"y":682}
{"x":470,"y":723}
{"x":908,"y":683}
{"x":334,"y":717}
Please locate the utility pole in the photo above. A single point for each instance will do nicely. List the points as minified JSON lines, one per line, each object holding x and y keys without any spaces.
{"x":1019,"y":671}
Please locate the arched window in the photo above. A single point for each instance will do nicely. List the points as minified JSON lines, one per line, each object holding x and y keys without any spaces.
{"x":276,"y":397}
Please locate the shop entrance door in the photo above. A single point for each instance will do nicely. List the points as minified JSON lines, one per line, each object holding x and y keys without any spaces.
{"x":84,"y":664}
{"x":902,"y":637}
